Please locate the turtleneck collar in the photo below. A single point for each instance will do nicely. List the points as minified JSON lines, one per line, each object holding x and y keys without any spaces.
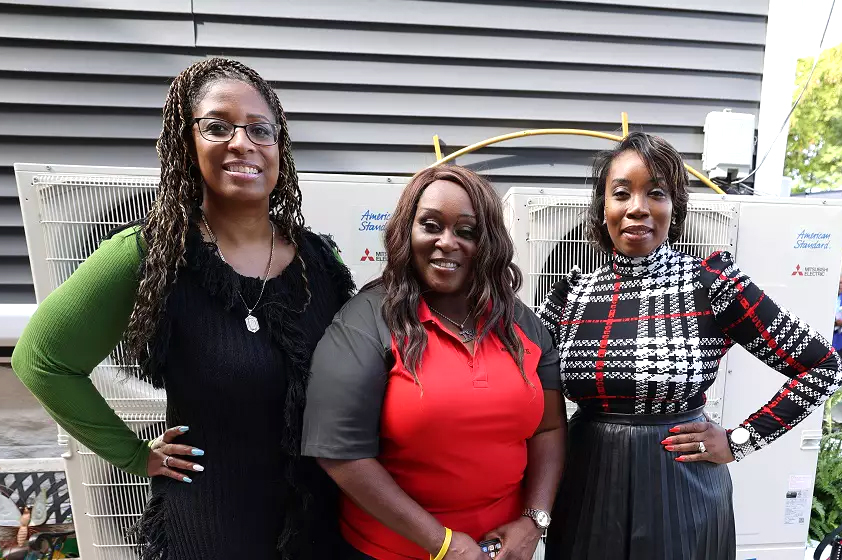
{"x":652,"y":264}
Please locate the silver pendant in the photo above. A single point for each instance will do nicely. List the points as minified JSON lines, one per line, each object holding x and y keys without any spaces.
{"x":467,"y":335}
{"x":251,"y":323}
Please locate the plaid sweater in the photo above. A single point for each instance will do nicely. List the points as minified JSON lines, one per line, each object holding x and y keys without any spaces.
{"x":645,"y":336}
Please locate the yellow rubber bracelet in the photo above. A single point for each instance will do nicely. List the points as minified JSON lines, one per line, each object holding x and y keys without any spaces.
{"x":448,"y":534}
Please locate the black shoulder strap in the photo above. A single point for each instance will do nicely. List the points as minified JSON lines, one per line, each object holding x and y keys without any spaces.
{"x":829,"y":539}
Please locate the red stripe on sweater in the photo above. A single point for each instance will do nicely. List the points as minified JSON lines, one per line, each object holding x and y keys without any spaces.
{"x":603,"y":346}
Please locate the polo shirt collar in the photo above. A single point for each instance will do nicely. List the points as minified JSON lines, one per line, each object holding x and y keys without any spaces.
{"x":425,"y":315}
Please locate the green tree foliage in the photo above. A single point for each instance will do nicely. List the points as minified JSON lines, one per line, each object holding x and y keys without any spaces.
{"x":827,"y":495}
{"x":814,"y":146}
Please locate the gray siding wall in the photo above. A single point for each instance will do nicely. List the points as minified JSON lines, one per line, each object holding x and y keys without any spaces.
{"x":367,"y":83}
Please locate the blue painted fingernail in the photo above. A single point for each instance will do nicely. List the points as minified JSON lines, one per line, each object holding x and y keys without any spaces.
{"x":183,"y":428}
{"x":197,"y":452}
{"x":187,"y":479}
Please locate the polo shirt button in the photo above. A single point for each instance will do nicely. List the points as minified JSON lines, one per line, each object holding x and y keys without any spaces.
{"x":470,"y":363}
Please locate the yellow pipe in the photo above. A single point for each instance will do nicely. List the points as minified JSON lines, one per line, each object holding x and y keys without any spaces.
{"x":704,"y":179}
{"x":625,"y":117}
{"x":545,"y":131}
{"x":437,"y":146}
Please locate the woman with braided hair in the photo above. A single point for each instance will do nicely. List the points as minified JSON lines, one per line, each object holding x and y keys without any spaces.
{"x":220,"y":295}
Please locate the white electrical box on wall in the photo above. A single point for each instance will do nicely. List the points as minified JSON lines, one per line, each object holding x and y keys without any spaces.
{"x":729,"y":144}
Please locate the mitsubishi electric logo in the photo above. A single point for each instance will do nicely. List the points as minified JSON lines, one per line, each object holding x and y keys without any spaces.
{"x":379,"y":256}
{"x":810,"y":271}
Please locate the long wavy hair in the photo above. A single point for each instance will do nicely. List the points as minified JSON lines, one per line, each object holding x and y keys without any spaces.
{"x":179,"y":196}
{"x":662,"y":160}
{"x":494,"y":282}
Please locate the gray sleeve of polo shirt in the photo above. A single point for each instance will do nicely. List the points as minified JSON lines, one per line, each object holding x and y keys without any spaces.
{"x":548,"y":366}
{"x":347,"y":384}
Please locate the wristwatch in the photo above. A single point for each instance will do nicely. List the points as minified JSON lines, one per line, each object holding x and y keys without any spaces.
{"x":739,"y":436}
{"x":539,"y":516}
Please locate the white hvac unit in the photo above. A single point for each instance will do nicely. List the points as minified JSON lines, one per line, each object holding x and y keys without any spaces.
{"x":790,"y":248}
{"x":67,"y":211}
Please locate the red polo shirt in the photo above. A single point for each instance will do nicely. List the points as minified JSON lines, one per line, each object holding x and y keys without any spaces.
{"x":456,"y":445}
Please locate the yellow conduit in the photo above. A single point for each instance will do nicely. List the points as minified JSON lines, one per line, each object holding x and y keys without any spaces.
{"x":544,"y":131}
{"x":437,"y":147}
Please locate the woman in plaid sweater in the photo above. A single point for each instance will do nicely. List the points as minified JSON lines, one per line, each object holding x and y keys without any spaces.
{"x":640,"y":341}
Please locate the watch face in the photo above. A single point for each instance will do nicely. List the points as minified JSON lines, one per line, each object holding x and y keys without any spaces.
{"x":740,"y":436}
{"x":542,"y":519}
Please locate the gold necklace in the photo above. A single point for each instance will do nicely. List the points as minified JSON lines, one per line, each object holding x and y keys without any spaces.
{"x":252,"y":323}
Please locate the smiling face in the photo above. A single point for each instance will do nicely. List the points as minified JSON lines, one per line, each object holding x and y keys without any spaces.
{"x":239,"y":169}
{"x":443,"y":238}
{"x":638,"y":207}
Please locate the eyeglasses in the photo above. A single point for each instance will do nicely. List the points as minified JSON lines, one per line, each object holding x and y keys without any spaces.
{"x":219,"y":130}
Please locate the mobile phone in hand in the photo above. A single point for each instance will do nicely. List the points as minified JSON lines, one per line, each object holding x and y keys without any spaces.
{"x":492,"y":547}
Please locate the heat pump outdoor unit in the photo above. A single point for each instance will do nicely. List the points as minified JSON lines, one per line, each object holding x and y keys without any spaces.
{"x":67,"y":210}
{"x":790,"y":248}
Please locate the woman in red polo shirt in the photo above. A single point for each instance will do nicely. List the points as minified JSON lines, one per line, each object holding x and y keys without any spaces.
{"x":435,"y":398}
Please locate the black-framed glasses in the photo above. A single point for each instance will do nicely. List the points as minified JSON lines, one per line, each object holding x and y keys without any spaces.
{"x":213,"y":129}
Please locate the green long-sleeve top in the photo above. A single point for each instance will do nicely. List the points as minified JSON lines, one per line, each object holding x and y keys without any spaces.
{"x":72,"y":331}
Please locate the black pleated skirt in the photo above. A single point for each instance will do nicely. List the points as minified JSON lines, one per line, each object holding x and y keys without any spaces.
{"x":623,"y":497}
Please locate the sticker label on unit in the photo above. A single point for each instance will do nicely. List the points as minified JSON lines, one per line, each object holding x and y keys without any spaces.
{"x":797,"y":503}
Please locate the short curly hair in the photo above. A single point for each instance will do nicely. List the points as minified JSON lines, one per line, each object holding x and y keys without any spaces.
{"x":662,"y":160}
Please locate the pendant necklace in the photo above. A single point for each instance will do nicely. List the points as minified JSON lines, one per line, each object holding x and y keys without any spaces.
{"x":251,"y":321}
{"x":467,"y":335}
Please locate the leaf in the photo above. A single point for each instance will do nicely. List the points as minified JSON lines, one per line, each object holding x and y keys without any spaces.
{"x":826,"y":512}
{"x":818,"y":508}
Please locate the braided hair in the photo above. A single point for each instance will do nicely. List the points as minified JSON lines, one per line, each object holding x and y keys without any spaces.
{"x":179,"y":197}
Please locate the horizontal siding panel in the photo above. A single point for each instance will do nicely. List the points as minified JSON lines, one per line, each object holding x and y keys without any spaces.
{"x":289,"y":69}
{"x":60,"y":60}
{"x":12,"y":243}
{"x":17,"y":294}
{"x":10,"y":213}
{"x":749,"y":7}
{"x":415,"y":134}
{"x":668,"y":112}
{"x":72,"y":93}
{"x":522,"y":17}
{"x":16,"y":271}
{"x":87,"y":153}
{"x":455,"y":136}
{"x":8,"y":187}
{"x":576,"y":79}
{"x":597,"y":51}
{"x":84,"y":126}
{"x":499,"y":162}
{"x":97,"y":30}
{"x":161,"y":6}
{"x":535,"y":109}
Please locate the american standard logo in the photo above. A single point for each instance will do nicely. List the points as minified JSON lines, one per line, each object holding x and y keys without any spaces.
{"x":373,"y":221}
{"x":809,"y":271}
{"x":812,"y":240}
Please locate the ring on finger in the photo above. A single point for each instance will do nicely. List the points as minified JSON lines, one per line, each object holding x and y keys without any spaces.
{"x":702,"y":448}
{"x":167,"y":461}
